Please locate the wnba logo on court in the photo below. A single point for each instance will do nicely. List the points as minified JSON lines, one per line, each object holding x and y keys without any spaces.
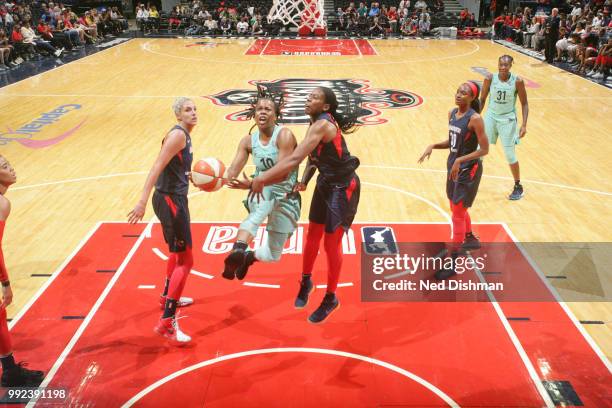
{"x":25,"y":134}
{"x":296,"y":90}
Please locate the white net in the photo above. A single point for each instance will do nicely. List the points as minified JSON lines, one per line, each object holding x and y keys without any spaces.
{"x":298,"y":13}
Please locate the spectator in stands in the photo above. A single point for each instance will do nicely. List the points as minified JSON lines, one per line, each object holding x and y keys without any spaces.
{"x":242,"y":27}
{"x":29,"y":37}
{"x":539,"y":38}
{"x":438,"y":6}
{"x":154,"y":19}
{"x":420,"y":5}
{"x":121,"y":21}
{"x":471,"y":22}
{"x":340,"y":19}
{"x":76,"y":34}
{"x":392,"y":17}
{"x":257,"y":29}
{"x":362,"y":11}
{"x":6,"y":52}
{"x":577,"y":9}
{"x":210,"y":25}
{"x":424,"y":23}
{"x":530,"y":30}
{"x":603,"y":61}
{"x":142,"y":17}
{"x":552,"y":35}
{"x":464,"y":15}
{"x":226,"y":26}
{"x":376,"y":29}
{"x":57,"y":39}
{"x":173,"y":19}
{"x":562,"y":44}
{"x":91,"y":31}
{"x":374,"y":11}
{"x":410,"y":27}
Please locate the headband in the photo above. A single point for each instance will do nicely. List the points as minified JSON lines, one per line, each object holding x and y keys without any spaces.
{"x":473,"y":87}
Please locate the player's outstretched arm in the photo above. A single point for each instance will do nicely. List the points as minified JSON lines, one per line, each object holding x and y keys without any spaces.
{"x":173,"y":143}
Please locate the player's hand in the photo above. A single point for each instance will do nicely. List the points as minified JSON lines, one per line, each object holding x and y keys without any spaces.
{"x":522,"y":132}
{"x":299,"y":187}
{"x":7,"y":296}
{"x":426,"y":154}
{"x":454,"y":173}
{"x":237,"y":184}
{"x":191,"y":179}
{"x":256,"y":190}
{"x":137,"y":213}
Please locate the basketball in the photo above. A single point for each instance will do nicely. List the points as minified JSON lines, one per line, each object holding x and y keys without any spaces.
{"x":209,"y":174}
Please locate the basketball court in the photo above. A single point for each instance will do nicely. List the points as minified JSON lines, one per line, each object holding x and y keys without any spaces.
{"x":87,"y":284}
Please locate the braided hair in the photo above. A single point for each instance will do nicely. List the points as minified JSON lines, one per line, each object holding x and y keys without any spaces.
{"x":350,"y":105}
{"x":263,"y":93}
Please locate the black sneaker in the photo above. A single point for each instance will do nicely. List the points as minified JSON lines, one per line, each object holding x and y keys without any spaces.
{"x":306,"y":288}
{"x":327,"y":306}
{"x":471,"y":242}
{"x":249,"y":259}
{"x":232,"y":262}
{"x":19,"y":376}
{"x":517,"y":193}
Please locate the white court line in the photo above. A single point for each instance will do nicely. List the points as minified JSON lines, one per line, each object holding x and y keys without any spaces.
{"x":71,"y":63}
{"x":261,"y":285}
{"x":89,"y":317}
{"x":159,"y":253}
{"x":76,"y":180}
{"x":340,"y":285}
{"x":357,"y":47}
{"x":373,"y":166}
{"x":537,"y":382}
{"x":146,"y":286}
{"x":435,"y":390}
{"x":55,"y":274}
{"x":263,"y":50}
{"x":519,"y":347}
{"x":164,"y":257}
{"x":559,"y":300}
{"x":146,"y":48}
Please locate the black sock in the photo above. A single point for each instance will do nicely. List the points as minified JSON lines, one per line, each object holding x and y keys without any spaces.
{"x":169,"y":308}
{"x":7,"y":362}
{"x":240,"y":246}
{"x":306,"y":277}
{"x":166,"y":288}
{"x":517,"y":182}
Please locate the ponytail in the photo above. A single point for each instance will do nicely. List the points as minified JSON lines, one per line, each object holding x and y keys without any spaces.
{"x":350,"y":105}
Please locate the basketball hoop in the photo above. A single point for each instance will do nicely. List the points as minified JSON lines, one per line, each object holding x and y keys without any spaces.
{"x":306,"y":15}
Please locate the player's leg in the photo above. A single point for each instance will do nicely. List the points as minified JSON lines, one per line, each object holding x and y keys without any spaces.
{"x":173,"y":213}
{"x":282,"y":222}
{"x":461,"y":198}
{"x":316,"y":227}
{"x":490,"y":128}
{"x":508,"y":133}
{"x":342,"y":207}
{"x":14,"y":374}
{"x":258,"y":212}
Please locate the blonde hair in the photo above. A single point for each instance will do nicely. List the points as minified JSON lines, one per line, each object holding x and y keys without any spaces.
{"x":178,"y":104}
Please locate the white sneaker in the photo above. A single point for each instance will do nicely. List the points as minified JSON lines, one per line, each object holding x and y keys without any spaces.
{"x":170,"y":329}
{"x":57,"y":53}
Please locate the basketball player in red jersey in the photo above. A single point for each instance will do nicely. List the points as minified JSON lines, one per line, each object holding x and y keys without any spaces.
{"x":13,"y":375}
{"x":170,"y":175}
{"x":336,"y":195}
{"x":467,"y":142}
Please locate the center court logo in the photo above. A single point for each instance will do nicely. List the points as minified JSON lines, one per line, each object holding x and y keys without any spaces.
{"x":296,"y":90}
{"x":27,"y":134}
